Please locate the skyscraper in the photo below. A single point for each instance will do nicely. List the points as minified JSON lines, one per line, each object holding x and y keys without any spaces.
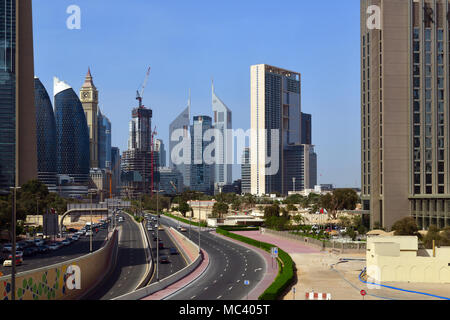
{"x":181,"y":123}
{"x":18,"y":155}
{"x":405,"y":157}
{"x":104,"y":141}
{"x":137,"y":161}
{"x":275,"y":124}
{"x":246,"y":184}
{"x":223,"y":173}
{"x":160,"y":151}
{"x":72,"y":134}
{"x":116,"y":170}
{"x":89,"y":99}
{"x":202,"y":173}
{"x":46,"y":136}
{"x":306,"y":128}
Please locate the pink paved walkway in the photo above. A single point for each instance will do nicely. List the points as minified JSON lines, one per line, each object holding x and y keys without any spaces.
{"x":183,"y":282}
{"x":288,"y":245}
{"x":192,"y":254}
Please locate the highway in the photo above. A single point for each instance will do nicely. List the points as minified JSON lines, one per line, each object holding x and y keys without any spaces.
{"x":176,"y":262}
{"x":66,"y":253}
{"x":130,"y":266}
{"x":230,"y":265}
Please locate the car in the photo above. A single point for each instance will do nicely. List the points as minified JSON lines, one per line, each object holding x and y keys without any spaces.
{"x":28,"y":252}
{"x":161,"y":245}
{"x":53,"y":247}
{"x":155,"y":238}
{"x":38,"y":242}
{"x":66,"y":242}
{"x":7,"y":248}
{"x":42,"y":249}
{"x":161,"y":228}
{"x":183,"y":229}
{"x":8,"y":262}
{"x":173,"y":251}
{"x":164,"y":259}
{"x":89,"y":233}
{"x":75,"y":238}
{"x":149,"y":229}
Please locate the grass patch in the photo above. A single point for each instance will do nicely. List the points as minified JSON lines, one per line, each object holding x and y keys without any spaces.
{"x":202,"y":224}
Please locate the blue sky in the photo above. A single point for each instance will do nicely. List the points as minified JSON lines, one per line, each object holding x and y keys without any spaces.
{"x":189,"y":42}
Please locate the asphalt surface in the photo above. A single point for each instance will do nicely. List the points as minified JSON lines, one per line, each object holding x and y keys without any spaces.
{"x":176,"y":262}
{"x":66,"y":253}
{"x":131,"y":263}
{"x":230,"y":265}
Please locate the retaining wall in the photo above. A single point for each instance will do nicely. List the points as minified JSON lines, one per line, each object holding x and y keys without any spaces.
{"x":49,"y":283}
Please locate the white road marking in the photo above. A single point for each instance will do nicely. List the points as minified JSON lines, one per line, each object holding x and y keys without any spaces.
{"x":219,"y":297}
{"x":230,"y":288}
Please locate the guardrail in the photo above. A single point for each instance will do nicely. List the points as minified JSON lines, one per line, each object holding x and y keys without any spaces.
{"x":149,"y":257}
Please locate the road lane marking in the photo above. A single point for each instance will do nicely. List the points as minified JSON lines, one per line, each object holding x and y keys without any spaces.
{"x":219,"y":297}
{"x":229,"y":289}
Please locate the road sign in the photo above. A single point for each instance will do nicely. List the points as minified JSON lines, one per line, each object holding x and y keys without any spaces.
{"x":363,"y":293}
{"x":274,"y":252}
{"x":246,"y":282}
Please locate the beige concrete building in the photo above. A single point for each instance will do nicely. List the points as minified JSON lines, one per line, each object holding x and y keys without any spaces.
{"x":405,"y":111}
{"x":89,"y":99}
{"x":398,"y":259}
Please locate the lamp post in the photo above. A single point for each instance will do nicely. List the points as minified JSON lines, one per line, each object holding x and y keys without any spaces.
{"x":13,"y":253}
{"x":199,"y":227}
{"x":157,"y":234}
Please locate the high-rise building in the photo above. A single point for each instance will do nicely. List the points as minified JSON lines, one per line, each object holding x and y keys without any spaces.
{"x":160,"y":152}
{"x":405,"y":158}
{"x":46,"y":136}
{"x":171,"y":181}
{"x":18,"y":153}
{"x":115,"y":170}
{"x":72,"y":134}
{"x":246,"y":183}
{"x":300,"y":162}
{"x":181,"y":124}
{"x":275,"y":125}
{"x":306,"y":128}
{"x":202,"y":173}
{"x":137,"y":161}
{"x":104,"y":141}
{"x":89,"y":99}
{"x":223,"y":171}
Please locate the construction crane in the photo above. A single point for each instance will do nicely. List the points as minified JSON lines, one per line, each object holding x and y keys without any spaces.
{"x":140,"y":94}
{"x":153,"y":134}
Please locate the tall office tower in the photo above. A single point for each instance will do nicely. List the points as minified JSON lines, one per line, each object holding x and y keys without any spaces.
{"x":246,"y":183}
{"x":300,"y":162}
{"x":46,"y":136}
{"x":18,"y":155}
{"x":160,"y":151}
{"x":306,"y":128}
{"x":405,"y":112}
{"x":202,"y":173}
{"x":275,"y":111}
{"x":136,"y":161}
{"x":104,"y":141}
{"x":181,"y":123}
{"x":89,"y":99}
{"x":115,"y":170}
{"x":171,"y":181}
{"x":223,"y":171}
{"x":72,"y":134}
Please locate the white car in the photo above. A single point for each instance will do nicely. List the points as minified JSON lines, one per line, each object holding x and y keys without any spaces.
{"x":53,"y":247}
{"x":89,"y":233}
{"x":66,"y":242}
{"x":39,"y":242}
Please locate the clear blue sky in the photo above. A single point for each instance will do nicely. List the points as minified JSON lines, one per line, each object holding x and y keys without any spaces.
{"x":188,"y":42}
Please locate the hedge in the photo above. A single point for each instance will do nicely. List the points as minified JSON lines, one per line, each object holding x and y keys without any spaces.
{"x":286,"y":274}
{"x":239,"y":228}
{"x":185,"y":220}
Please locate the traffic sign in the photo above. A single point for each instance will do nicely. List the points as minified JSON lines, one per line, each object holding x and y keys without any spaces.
{"x":274,"y":252}
{"x":246,"y":282}
{"x":363,"y":293}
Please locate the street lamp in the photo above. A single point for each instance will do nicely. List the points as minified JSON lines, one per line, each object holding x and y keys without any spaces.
{"x":13,"y":232}
{"x":92,"y":228}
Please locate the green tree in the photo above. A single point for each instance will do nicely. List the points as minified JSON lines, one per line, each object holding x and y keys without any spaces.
{"x":236,"y":205}
{"x":433,"y":233}
{"x":220,"y":209}
{"x":445,"y":237}
{"x":272,"y":211}
{"x":291,"y":207}
{"x":184,"y":208}
{"x":406,"y":227}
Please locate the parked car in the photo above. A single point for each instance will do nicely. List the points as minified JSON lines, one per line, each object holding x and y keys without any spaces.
{"x":8,"y":262}
{"x":43,"y":249}
{"x":66,"y":242}
{"x":38,"y":242}
{"x":28,"y":252}
{"x":7,"y":248}
{"x":53,"y":247}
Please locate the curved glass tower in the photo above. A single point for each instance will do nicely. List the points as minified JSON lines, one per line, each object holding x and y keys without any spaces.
{"x":46,"y":135}
{"x":72,"y":134}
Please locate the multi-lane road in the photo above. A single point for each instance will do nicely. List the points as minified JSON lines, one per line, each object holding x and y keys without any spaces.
{"x":131,"y":264}
{"x":230,"y":266}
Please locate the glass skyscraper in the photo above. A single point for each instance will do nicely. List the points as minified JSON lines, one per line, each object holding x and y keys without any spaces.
{"x":16,"y":49}
{"x":202,"y":174}
{"x":72,"y":134}
{"x":104,"y":141}
{"x":46,"y":135}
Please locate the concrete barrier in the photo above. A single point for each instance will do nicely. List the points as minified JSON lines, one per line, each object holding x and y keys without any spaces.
{"x":161,"y":285}
{"x":50,"y":283}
